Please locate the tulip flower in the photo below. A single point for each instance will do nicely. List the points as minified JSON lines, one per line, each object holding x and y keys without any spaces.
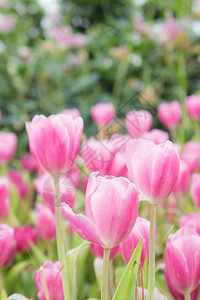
{"x":191,"y":221}
{"x":192,"y":159}
{"x":28,"y":163}
{"x":193,"y":106}
{"x":154,"y":170}
{"x":182,"y":269}
{"x":183,"y":181}
{"x":46,"y":223}
{"x":4,"y":198}
{"x":52,"y":276}
{"x":138,"y":122}
{"x":157,"y":136}
{"x":170,"y":114}
{"x":140,"y":230}
{"x":8,"y":142}
{"x":195,"y":189}
{"x":7,"y":244}
{"x":55,"y":141}
{"x":106,"y":227}
{"x":102,"y":113}
{"x":24,"y":236}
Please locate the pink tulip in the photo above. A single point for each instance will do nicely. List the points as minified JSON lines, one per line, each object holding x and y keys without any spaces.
{"x":157,"y":136}
{"x":98,"y":250}
{"x":102,"y":113}
{"x":106,"y":227}
{"x":53,"y":279}
{"x":55,"y":141}
{"x":183,"y":181}
{"x":73,"y":176}
{"x":74,"y":112}
{"x":195,"y":189}
{"x":170,"y":114}
{"x":140,"y":230}
{"x":153,"y":168}
{"x":182,"y":269}
{"x":171,"y":206}
{"x":46,"y":223}
{"x":192,"y":159}
{"x":138,"y":122}
{"x":44,"y":185}
{"x":28,"y":163}
{"x":4,"y":198}
{"x":17,"y":180}
{"x":193,"y":106}
{"x":192,"y":147}
{"x":23,"y":236}
{"x":8,"y":141}
{"x":191,"y":221}
{"x":7,"y":244}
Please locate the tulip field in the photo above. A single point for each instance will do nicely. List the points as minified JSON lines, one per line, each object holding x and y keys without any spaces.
{"x":99,"y":150}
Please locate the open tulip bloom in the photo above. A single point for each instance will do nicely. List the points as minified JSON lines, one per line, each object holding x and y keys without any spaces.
{"x":154,"y":170}
{"x":111,"y":206}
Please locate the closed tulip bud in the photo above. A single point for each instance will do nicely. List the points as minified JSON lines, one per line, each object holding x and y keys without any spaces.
{"x":138,"y":122}
{"x":153,"y":168}
{"x":140,"y":230}
{"x":157,"y":136}
{"x":7,"y":244}
{"x":54,"y":141}
{"x":102,"y":113}
{"x":193,"y":106}
{"x":106,"y":227}
{"x":28,"y":163}
{"x":24,"y":236}
{"x":53,"y":279}
{"x":192,"y":159}
{"x":191,"y":221}
{"x":183,"y":181}
{"x":170,"y":114}
{"x":182,"y":269}
{"x":98,"y":250}
{"x":8,"y":141}
{"x":46,"y":223}
{"x":195,"y":189}
{"x":4,"y":198}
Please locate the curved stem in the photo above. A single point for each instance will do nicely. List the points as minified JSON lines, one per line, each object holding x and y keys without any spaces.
{"x":187,"y":296}
{"x":151,"y":275}
{"x":104,"y":279}
{"x":59,"y":240}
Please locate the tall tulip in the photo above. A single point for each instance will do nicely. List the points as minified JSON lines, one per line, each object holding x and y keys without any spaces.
{"x":154,"y":170}
{"x":106,"y":227}
{"x":54,"y":142}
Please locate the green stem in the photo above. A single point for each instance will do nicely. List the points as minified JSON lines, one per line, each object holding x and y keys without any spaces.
{"x":187,"y":296}
{"x":104,"y":279}
{"x":151,"y":274}
{"x":59,"y":240}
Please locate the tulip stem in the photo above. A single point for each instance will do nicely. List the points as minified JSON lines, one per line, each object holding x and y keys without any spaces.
{"x":187,"y":296}
{"x":104,"y":279}
{"x":151,"y":274}
{"x":59,"y":240}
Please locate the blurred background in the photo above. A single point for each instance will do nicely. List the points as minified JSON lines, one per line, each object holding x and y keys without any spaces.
{"x":63,"y":54}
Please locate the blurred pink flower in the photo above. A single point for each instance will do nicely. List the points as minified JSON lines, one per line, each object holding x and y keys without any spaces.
{"x":102,"y":113}
{"x":52,"y":275}
{"x":191,"y":221}
{"x":193,"y":106}
{"x":8,"y":142}
{"x":17,"y":180}
{"x":138,"y":122}
{"x":4,"y":198}
{"x":7,"y":23}
{"x":28,"y":162}
{"x":157,"y":136}
{"x":46,"y":223}
{"x":170,"y":113}
{"x":7,"y":244}
{"x":23,"y":236}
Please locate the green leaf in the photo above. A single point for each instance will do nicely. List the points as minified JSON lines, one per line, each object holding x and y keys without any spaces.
{"x":16,"y":271}
{"x":126,"y":286}
{"x":74,"y":258}
{"x":3,"y":295}
{"x":145,"y":274}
